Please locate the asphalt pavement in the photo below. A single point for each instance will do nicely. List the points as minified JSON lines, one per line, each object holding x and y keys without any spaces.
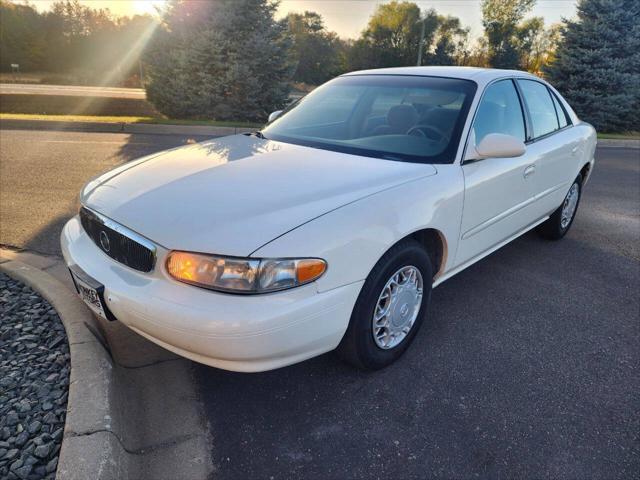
{"x":42,"y":172}
{"x":71,"y":90}
{"x":528,"y":365}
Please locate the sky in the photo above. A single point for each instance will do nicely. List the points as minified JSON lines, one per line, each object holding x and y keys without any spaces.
{"x":349,"y":17}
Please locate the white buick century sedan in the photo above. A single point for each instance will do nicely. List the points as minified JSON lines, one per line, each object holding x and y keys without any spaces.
{"x":329,"y":228}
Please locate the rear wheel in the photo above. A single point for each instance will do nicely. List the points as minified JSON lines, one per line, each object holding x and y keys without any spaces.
{"x":558,"y":224}
{"x":390,"y":308}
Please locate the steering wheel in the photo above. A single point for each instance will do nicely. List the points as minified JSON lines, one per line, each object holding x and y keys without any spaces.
{"x":428,"y":131}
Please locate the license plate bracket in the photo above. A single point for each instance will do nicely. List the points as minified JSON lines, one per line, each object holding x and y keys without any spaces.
{"x":91,"y":292}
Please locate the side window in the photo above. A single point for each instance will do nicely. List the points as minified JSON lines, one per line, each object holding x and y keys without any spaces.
{"x":499,"y":112}
{"x":562,"y":114}
{"x":540,"y":106}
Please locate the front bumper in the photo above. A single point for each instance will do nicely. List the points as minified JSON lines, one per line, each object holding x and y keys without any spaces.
{"x":247,"y":333}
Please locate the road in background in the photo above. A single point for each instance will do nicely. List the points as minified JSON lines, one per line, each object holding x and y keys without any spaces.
{"x":82,"y":91}
{"x":42,"y":172}
{"x":73,"y":90}
{"x":528,"y":365}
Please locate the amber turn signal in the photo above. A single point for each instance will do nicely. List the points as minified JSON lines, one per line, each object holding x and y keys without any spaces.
{"x":309,"y":270}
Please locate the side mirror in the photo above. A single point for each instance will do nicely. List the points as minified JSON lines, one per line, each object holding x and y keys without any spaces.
{"x":274,"y":115}
{"x":496,"y":145}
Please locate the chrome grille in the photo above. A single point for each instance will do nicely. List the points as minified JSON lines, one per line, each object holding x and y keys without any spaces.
{"x":116,"y":242}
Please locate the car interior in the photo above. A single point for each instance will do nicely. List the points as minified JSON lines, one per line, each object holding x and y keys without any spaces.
{"x":413,"y":121}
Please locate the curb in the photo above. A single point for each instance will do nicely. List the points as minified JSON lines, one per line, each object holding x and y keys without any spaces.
{"x":90,"y":448}
{"x":618,"y":143}
{"x":121,"y":127}
{"x":133,"y":410}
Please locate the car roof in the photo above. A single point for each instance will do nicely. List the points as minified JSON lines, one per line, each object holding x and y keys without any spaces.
{"x":479,"y":75}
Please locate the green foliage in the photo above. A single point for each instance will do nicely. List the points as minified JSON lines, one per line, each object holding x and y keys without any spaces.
{"x":391,"y":38}
{"x":531,"y":40}
{"x":317,"y":53}
{"x":222,"y":59}
{"x":597,"y":64}
{"x":229,"y":59}
{"x":449,"y":43}
{"x":72,"y":38}
{"x":501,"y":19}
{"x":21,"y":40}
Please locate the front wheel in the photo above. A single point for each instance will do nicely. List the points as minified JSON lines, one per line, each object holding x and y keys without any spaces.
{"x":558,"y":224}
{"x":390,"y":308}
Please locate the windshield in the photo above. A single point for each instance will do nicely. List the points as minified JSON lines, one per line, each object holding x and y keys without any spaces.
{"x":408,"y":118}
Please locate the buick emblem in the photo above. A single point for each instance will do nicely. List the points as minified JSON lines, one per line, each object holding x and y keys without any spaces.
{"x":104,"y":241}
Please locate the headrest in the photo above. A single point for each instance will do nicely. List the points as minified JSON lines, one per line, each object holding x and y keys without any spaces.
{"x":402,"y":117}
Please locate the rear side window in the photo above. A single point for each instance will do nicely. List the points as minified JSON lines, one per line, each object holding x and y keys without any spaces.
{"x":562,"y":114}
{"x":540,"y":105}
{"x":499,"y":112}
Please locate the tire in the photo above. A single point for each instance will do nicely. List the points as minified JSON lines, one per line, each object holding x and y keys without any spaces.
{"x":358,"y":346}
{"x":554,"y":228}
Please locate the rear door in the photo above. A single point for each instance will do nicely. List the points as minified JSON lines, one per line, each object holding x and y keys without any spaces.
{"x":499,"y":192}
{"x":551,"y":143}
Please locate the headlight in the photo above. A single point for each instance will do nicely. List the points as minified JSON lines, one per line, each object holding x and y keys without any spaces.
{"x":243,"y":275}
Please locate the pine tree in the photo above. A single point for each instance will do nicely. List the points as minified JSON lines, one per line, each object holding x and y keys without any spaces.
{"x":597,"y":64}
{"x":221,"y":59}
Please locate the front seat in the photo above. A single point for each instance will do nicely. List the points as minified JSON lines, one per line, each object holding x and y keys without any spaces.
{"x":444,"y":119}
{"x":400,"y":118}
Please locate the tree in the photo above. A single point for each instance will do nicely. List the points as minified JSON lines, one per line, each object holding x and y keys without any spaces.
{"x":597,"y":64}
{"x":222,"y":59}
{"x":21,"y":39}
{"x":391,"y":38}
{"x":318,"y":54}
{"x":479,"y":54}
{"x":450,"y":43}
{"x":82,"y":44}
{"x":501,"y":19}
{"x":535,"y":44}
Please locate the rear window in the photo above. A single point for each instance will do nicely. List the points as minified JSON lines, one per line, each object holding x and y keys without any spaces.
{"x":563,"y":118}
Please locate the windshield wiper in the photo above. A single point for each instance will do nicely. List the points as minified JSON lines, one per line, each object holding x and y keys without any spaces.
{"x":257,"y":133}
{"x":393,"y":157}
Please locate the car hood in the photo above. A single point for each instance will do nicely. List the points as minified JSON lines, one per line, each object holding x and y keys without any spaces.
{"x":232,"y":195}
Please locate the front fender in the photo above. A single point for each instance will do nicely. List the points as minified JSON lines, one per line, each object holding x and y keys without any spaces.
{"x":352,"y":238}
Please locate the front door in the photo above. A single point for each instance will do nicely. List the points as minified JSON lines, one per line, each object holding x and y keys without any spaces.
{"x":499,"y":192}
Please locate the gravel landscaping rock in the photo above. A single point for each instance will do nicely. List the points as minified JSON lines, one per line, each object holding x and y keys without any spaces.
{"x":34,"y":383}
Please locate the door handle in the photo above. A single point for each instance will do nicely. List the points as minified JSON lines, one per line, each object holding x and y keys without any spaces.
{"x":530,"y":170}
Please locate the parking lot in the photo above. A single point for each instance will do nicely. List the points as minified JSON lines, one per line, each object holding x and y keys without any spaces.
{"x":528,"y":365}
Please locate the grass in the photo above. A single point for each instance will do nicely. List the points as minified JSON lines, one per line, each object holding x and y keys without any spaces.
{"x":125,"y":119}
{"x":29,"y":77}
{"x":76,"y":77}
{"x":76,"y":105}
{"x":620,"y":136}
